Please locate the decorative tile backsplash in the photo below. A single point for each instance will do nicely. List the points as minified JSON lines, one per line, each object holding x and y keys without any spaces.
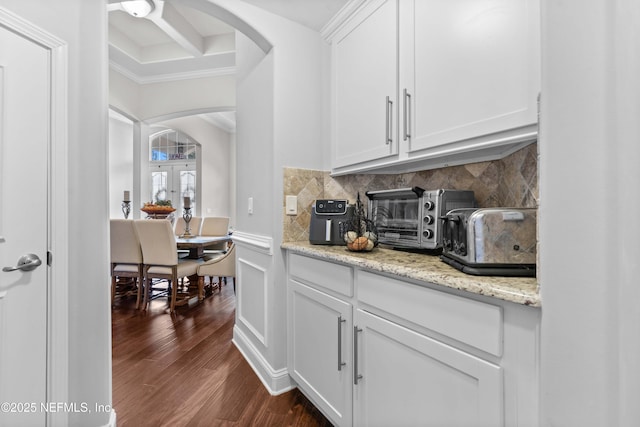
{"x":508,"y":182}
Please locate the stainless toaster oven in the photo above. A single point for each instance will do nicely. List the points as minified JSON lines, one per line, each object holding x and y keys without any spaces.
{"x":412,"y":217}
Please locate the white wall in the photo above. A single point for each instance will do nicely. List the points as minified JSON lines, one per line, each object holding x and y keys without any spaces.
{"x":121,"y":149}
{"x":82,"y":24}
{"x":589,"y":174}
{"x":152,"y":100}
{"x":124,"y":94}
{"x":280,"y":103}
{"x":254,"y":138}
{"x":207,"y":93}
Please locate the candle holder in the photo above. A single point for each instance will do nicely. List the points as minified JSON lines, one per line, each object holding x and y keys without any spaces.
{"x":187,"y":219}
{"x":126,"y":208}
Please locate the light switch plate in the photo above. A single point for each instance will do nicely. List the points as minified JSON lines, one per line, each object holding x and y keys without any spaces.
{"x":291,"y":206}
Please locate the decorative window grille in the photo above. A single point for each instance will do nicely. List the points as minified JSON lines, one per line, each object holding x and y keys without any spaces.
{"x":171,"y":145}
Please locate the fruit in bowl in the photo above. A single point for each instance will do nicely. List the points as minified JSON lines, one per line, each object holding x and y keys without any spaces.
{"x":360,"y":235}
{"x":364,"y":243}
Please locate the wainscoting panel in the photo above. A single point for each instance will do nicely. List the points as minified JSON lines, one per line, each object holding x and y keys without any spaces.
{"x":255,"y":333}
{"x":252,"y":298}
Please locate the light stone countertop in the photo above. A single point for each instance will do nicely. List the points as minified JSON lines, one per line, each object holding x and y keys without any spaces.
{"x":426,"y":268}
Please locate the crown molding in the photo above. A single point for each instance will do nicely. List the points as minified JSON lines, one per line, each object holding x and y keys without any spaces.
{"x":163,"y":78}
{"x":341,"y":18}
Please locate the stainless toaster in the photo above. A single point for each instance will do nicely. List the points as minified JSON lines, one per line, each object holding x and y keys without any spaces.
{"x":491,"y":241}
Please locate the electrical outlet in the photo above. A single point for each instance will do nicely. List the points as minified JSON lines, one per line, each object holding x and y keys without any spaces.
{"x":250,"y":206}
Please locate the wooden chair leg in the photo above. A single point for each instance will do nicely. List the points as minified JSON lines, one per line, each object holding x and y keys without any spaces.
{"x":173,"y":283}
{"x":139,"y":281}
{"x":147,"y":290}
{"x":200,"y":288}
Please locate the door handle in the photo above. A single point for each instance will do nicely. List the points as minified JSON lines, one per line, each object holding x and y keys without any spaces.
{"x":26,"y":262}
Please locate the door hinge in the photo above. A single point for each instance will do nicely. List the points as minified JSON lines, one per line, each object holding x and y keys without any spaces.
{"x":49,"y":258}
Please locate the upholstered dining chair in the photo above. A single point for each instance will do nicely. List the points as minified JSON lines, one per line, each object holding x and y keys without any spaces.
{"x":222,"y":267}
{"x":126,"y":259}
{"x":160,"y":257}
{"x":194,"y":226}
{"x":215,"y":226}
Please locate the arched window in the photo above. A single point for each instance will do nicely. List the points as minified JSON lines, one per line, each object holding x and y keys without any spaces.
{"x":173,"y":167}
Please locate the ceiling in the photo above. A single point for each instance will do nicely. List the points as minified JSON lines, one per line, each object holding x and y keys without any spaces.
{"x":177,"y":42}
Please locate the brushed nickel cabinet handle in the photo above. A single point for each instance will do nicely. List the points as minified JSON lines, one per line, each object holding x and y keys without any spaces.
{"x":356,"y":376}
{"x":340,"y":362}
{"x":389,"y":127}
{"x":407,"y":114}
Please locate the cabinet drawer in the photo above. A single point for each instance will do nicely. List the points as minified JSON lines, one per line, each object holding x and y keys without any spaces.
{"x":471,"y":322}
{"x":334,"y":277}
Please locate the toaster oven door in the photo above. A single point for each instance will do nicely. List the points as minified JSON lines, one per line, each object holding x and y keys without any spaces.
{"x":396,"y":220}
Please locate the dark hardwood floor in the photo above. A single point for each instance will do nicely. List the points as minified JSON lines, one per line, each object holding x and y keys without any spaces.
{"x":183,"y":370}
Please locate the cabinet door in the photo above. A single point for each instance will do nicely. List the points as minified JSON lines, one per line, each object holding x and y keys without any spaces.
{"x":409,"y":379}
{"x":320,"y":350}
{"x":471,"y":68}
{"x":365,"y":63}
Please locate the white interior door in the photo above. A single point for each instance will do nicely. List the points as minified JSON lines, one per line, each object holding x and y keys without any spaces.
{"x":25,"y":99}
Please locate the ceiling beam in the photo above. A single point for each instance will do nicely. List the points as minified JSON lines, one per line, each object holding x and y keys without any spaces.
{"x":169,"y":20}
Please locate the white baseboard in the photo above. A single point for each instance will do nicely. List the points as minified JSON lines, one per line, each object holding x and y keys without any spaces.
{"x":276,"y":381}
{"x":112,"y":419}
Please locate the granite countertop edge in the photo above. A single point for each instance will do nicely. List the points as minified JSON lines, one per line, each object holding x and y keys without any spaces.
{"x":426,"y":268}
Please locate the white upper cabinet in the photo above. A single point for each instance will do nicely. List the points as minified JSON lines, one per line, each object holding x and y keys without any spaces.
{"x":470,"y":69}
{"x":468,"y":79}
{"x":365,"y":82}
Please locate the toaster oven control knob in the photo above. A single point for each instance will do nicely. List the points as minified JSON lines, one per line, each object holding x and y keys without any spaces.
{"x":429,"y":205}
{"x":428,"y":234}
{"x":428,"y":219}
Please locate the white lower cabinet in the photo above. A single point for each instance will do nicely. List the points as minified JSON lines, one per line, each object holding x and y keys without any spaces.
{"x":320,"y":350}
{"x":407,"y":379}
{"x":372,"y":350}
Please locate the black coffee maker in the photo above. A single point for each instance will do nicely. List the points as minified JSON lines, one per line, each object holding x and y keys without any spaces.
{"x":328,"y":221}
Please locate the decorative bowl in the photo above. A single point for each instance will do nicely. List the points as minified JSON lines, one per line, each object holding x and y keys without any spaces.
{"x":360,"y":237}
{"x":157,"y":210}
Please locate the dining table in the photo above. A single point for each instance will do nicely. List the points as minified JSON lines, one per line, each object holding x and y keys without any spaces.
{"x":197,"y":244}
